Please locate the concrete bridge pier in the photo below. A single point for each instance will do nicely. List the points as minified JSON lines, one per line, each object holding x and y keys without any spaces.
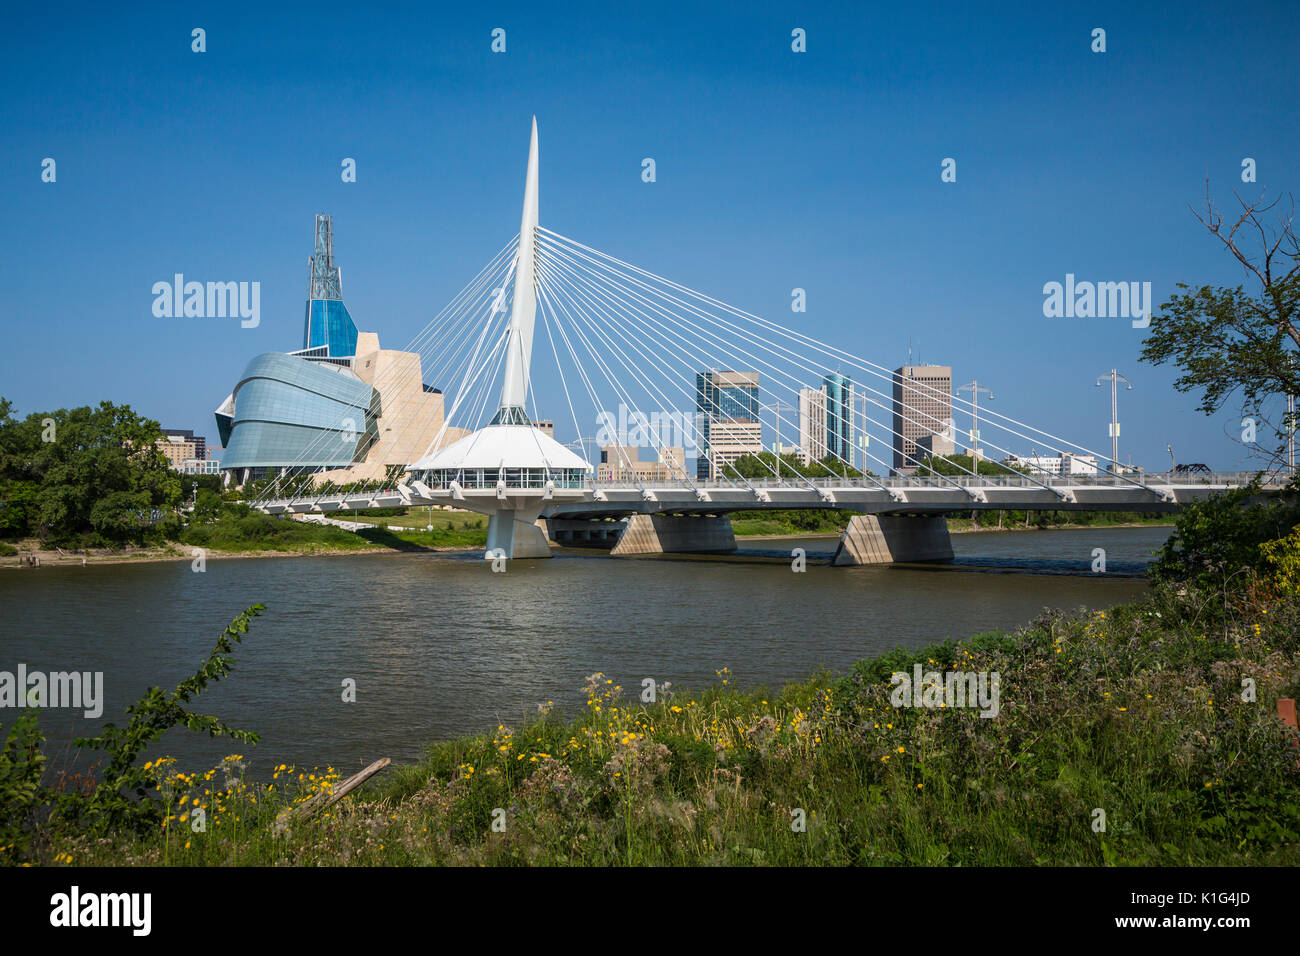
{"x":886,"y":539}
{"x":517,"y":535}
{"x":647,"y":534}
{"x":676,"y":534}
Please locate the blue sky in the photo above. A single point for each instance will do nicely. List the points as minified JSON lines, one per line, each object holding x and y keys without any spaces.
{"x":775,"y":170}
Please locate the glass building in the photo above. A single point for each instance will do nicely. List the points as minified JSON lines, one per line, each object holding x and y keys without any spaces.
{"x":839,"y":417}
{"x":327,"y":324}
{"x":289,"y":411}
{"x":309,"y":408}
{"x":730,"y":400}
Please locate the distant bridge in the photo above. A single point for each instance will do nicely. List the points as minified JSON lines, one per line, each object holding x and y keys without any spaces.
{"x":624,"y":337}
{"x":903,"y":518}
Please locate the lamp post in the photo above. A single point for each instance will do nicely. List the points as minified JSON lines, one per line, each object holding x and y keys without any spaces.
{"x":974,"y":387}
{"x":1115,"y":379}
{"x":777,"y":408}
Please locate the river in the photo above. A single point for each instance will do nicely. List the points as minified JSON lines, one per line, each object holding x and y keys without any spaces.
{"x":439,"y":645}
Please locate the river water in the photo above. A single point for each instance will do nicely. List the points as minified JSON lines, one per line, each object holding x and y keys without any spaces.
{"x":439,"y":645}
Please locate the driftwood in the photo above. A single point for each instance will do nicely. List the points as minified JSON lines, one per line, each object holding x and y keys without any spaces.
{"x":329,"y":797}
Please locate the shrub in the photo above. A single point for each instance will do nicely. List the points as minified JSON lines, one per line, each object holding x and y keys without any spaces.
{"x":115,"y":800}
{"x":1283,"y":558}
{"x":1219,"y":538}
{"x":21,"y":763}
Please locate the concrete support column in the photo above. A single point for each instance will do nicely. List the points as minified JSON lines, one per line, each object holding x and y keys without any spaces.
{"x":885,"y":539}
{"x":516,"y":538}
{"x":668,"y":534}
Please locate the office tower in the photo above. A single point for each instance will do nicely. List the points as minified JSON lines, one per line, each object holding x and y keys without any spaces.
{"x":922,"y":408}
{"x":812,"y":424}
{"x":729,"y":427}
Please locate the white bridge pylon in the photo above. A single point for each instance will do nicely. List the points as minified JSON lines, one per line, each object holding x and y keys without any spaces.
{"x":634,"y":347}
{"x":510,"y":470}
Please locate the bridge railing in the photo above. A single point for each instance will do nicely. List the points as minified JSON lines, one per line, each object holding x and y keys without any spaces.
{"x":963,"y":481}
{"x":1220,"y":479}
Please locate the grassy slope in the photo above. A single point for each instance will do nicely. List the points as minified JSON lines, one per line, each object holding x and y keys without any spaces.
{"x":257,"y":532}
{"x":1137,"y":712}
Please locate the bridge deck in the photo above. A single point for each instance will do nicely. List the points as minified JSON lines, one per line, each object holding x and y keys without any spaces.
{"x":897,"y":496}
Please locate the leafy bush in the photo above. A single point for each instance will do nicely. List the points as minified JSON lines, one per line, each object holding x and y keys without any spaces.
{"x":115,"y":801}
{"x":21,"y":763}
{"x":1216,"y":540}
{"x":1283,"y":558}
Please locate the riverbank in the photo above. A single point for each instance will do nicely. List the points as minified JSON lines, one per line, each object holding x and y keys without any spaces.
{"x":1106,"y":738}
{"x":408,"y":539}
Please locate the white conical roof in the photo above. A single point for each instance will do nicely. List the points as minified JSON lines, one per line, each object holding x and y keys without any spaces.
{"x":503,"y":446}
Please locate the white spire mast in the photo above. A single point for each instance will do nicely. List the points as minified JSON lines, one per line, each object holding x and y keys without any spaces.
{"x":523,"y":308}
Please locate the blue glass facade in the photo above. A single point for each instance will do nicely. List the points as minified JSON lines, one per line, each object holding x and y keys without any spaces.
{"x":329,"y":324}
{"x":296,"y":411}
{"x":292,"y":412}
{"x":721,"y":401}
{"x":839,"y":417}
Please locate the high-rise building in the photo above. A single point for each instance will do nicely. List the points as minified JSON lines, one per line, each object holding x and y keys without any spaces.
{"x":826,"y":421}
{"x":922,"y":408}
{"x":839,"y":417}
{"x":729,"y":427}
{"x":812,"y":424}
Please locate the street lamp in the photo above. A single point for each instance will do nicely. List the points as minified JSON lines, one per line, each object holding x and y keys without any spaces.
{"x":974,"y":387}
{"x":1115,"y":379}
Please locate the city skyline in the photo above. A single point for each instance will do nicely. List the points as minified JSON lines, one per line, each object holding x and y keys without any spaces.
{"x":757,"y":192}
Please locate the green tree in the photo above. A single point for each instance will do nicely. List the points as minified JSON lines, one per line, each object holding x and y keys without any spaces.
{"x":1231,"y":341}
{"x":964,"y":465}
{"x":84,"y":473}
{"x":766,"y":466}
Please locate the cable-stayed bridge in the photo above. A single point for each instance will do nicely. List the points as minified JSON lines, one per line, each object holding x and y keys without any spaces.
{"x":614,"y":335}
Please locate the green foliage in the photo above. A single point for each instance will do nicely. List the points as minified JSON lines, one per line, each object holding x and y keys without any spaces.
{"x":1226,"y":341}
{"x":1283,"y":559}
{"x":792,"y":521}
{"x":1221,"y":538}
{"x":114,"y":802}
{"x":964,"y":465}
{"x":21,"y":793}
{"x":767,"y":465}
{"x":207,"y":507}
{"x":85,"y":475}
{"x":236,"y":529}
